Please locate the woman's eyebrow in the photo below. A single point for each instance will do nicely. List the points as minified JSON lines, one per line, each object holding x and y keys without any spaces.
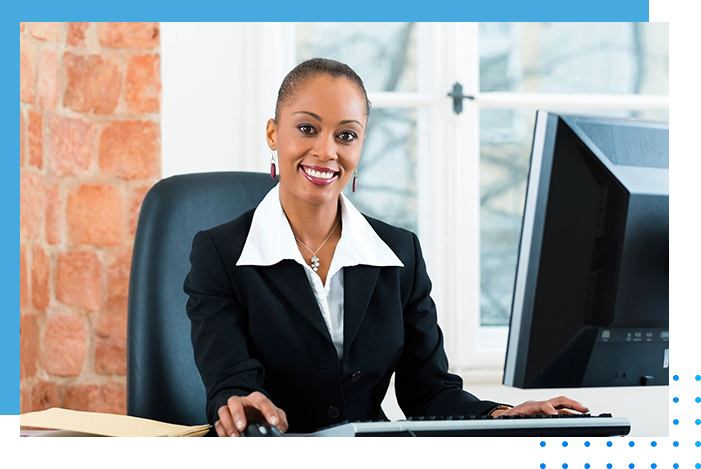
{"x":310,"y":113}
{"x":319,"y":118}
{"x":350,"y":121}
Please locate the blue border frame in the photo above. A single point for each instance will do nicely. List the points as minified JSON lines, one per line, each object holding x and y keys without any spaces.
{"x":686,"y":231}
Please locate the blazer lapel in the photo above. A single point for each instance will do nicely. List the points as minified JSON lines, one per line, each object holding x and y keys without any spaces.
{"x":358,"y":285}
{"x":289,"y":277}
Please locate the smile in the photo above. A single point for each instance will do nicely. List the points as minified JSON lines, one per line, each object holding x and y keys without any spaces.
{"x":320,"y":176}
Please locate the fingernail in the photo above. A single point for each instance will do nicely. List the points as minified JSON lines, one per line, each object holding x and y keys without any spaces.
{"x":273,"y":420}
{"x":239,"y":424}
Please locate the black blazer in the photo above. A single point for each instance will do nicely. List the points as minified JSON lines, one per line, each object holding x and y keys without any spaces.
{"x":259,"y":328}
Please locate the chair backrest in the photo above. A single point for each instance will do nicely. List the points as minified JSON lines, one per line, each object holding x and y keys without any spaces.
{"x":162,"y":380}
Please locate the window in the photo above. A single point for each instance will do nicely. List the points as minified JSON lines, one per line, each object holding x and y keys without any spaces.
{"x":597,"y":60}
{"x":384,"y":56}
{"x":459,"y":180}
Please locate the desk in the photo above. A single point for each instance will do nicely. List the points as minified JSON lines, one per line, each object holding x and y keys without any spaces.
{"x":647,"y":408}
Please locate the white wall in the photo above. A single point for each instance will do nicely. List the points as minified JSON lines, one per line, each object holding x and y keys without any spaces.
{"x":220,"y":83}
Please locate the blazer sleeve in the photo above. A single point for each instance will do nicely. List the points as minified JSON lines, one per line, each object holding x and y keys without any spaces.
{"x":219,"y":325}
{"x":422,"y":382}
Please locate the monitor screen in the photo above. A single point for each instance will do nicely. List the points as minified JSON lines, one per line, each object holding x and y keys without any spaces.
{"x":591,"y":298}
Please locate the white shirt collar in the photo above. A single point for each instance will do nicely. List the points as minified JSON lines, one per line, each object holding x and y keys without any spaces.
{"x":271,"y":240}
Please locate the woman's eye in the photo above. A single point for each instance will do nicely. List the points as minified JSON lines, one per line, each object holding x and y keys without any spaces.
{"x":306,"y":129}
{"x":348,"y":136}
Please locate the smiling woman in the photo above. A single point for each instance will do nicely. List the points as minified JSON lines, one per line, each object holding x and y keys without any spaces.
{"x":304,"y":308}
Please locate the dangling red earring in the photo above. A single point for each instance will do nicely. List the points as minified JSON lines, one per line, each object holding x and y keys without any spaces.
{"x":272,"y":165}
{"x":355,"y":179}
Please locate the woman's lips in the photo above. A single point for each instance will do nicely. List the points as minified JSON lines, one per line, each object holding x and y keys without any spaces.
{"x":317,"y":181}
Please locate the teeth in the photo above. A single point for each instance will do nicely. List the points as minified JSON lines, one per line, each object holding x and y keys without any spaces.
{"x":318,"y":174}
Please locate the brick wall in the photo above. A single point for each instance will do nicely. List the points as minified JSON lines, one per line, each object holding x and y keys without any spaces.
{"x":89,"y":152}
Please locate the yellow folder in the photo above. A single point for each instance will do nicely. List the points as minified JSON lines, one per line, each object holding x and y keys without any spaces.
{"x":91,"y":423}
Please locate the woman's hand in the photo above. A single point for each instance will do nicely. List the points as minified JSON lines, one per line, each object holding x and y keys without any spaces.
{"x":557,"y":405}
{"x":234,"y":417}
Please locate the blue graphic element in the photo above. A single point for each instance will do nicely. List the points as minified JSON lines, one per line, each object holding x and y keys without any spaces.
{"x":597,"y":466}
{"x":676,"y":466}
{"x":598,"y":444}
{"x":690,"y":411}
{"x":686,"y":454}
{"x":687,"y":422}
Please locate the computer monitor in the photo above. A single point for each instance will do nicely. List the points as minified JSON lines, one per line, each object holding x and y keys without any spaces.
{"x":591,"y":298}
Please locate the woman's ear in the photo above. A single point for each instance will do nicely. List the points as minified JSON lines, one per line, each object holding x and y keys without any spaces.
{"x":271,"y":134}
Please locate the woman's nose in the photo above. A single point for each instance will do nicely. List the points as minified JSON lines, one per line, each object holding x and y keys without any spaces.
{"x":325,"y":147}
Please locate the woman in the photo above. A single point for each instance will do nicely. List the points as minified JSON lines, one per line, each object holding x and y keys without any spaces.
{"x":303,"y":308}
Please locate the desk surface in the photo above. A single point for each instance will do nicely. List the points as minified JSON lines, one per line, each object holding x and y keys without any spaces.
{"x":647,"y":408}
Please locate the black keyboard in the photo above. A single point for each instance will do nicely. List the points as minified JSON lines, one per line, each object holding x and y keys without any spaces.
{"x":569,"y":425}
{"x":433,"y":418}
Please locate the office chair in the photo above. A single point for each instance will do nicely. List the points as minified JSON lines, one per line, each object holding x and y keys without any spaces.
{"x":163,"y":382}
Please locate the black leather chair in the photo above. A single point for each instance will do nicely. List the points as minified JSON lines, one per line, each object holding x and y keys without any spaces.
{"x":162,"y":380}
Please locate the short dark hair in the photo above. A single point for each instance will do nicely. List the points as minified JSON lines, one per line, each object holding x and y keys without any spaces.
{"x":312,"y":68}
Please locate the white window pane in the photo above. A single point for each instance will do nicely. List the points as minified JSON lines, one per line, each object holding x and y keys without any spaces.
{"x":505,"y":149}
{"x":622,"y":58}
{"x":387,"y":169}
{"x":382,"y":54}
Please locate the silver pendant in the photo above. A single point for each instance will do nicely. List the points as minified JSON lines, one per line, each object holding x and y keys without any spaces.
{"x":315,"y":263}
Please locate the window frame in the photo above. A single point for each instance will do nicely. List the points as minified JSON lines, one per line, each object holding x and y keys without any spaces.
{"x":481,"y":356}
{"x":449,"y":185}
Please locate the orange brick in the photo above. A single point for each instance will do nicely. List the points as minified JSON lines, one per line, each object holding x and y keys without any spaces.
{"x":23,"y":279}
{"x":93,"y":83}
{"x":130,"y":149}
{"x":143,"y":87}
{"x":71,"y":145}
{"x":27,"y":55}
{"x":79,"y":279}
{"x":24,"y":404}
{"x":45,"y":31}
{"x":129,"y":35}
{"x":76,"y":33}
{"x":31,"y":206}
{"x":54,"y":214}
{"x":36,"y":151}
{"x":137,"y":199}
{"x":95,"y":398}
{"x":44,"y":395}
{"x":22,"y":138}
{"x":111,"y":345}
{"x":28,"y":345}
{"x":47,"y":79}
{"x":41,"y":270}
{"x":118,"y":277}
{"x":64,"y":345}
{"x":94,"y":215}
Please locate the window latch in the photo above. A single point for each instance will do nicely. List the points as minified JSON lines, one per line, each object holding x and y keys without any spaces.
{"x":457,"y":96}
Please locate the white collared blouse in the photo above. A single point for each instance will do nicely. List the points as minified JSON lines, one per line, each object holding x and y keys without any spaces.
{"x":270,"y":240}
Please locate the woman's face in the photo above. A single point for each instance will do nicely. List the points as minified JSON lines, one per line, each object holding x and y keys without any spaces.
{"x":319,"y":138}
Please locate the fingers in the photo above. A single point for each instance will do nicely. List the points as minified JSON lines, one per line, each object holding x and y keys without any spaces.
{"x":234,"y":416}
{"x":556,"y":406}
{"x":283,"y":425}
{"x":547,"y":408}
{"x":563,"y":402}
{"x":219,"y":427}
{"x":226,"y":440}
{"x":226,"y":421}
{"x":235,"y":406}
{"x":274,"y":416}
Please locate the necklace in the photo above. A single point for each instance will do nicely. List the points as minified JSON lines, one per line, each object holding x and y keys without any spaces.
{"x":315,"y":260}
